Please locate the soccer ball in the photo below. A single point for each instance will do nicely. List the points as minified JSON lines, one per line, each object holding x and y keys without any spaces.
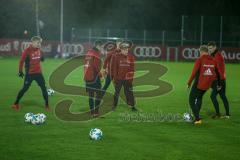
{"x":28,"y":117}
{"x":36,"y":119}
{"x":42,"y":117}
{"x":39,"y":118}
{"x":50,"y":92}
{"x":187,"y":117}
{"x":95,"y":134}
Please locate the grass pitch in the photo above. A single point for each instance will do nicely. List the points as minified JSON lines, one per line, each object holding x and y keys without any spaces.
{"x":57,"y":139}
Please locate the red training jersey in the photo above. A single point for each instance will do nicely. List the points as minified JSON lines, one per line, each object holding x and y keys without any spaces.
{"x":92,"y":65}
{"x":218,"y":57}
{"x":123,"y":67}
{"x":31,"y":57}
{"x":109,"y":62}
{"x":204,"y":71}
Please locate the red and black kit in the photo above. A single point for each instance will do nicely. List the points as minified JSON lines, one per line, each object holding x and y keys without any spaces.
{"x":204,"y":72}
{"x":32,"y":58}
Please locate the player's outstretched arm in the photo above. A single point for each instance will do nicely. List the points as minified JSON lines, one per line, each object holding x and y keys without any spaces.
{"x":21,"y":62}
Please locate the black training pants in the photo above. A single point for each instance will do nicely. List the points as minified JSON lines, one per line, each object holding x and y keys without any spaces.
{"x":195,"y":100}
{"x":222,"y":93}
{"x":38,"y":77}
{"x":128,"y":91}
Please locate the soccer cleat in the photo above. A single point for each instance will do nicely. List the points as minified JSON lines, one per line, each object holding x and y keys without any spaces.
{"x":92,"y":113}
{"x":198,"y":122}
{"x":134,"y":109}
{"x":47,"y":108}
{"x":225,"y":117}
{"x":114,"y":108}
{"x":16,"y":106}
{"x":96,"y":113}
{"x":216,"y":116}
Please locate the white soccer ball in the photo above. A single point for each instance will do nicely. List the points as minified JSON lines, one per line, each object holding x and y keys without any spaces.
{"x":36,"y":119}
{"x":95,"y":134}
{"x":28,"y":117}
{"x":42,"y":117}
{"x":187,"y":117}
{"x":50,"y":92}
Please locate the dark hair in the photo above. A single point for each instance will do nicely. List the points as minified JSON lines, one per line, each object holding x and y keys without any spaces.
{"x":203,"y":48}
{"x":97,"y":43}
{"x":212,"y":43}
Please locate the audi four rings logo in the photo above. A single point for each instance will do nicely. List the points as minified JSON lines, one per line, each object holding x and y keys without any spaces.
{"x":147,"y":51}
{"x":73,"y":49}
{"x":190,"y":53}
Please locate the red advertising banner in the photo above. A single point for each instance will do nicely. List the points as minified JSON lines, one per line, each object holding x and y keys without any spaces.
{"x":11,"y":47}
{"x":187,"y":53}
{"x":181,"y":53}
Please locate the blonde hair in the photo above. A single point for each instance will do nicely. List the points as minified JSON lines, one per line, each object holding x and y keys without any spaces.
{"x":36,"y":38}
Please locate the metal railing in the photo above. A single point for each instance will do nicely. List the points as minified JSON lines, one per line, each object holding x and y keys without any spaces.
{"x":193,"y":30}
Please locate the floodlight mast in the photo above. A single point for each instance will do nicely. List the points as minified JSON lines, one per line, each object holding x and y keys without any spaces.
{"x":37,"y":19}
{"x":61,"y":28}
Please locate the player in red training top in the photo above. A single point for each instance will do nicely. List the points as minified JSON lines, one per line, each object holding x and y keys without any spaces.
{"x":219,"y":59}
{"x":92,"y":76}
{"x":32,"y":58}
{"x":204,"y":72}
{"x":123,"y":75}
{"x":109,"y":65}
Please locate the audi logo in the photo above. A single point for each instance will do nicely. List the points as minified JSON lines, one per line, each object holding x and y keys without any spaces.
{"x":76,"y":49}
{"x":230,"y":55}
{"x":140,"y":51}
{"x":190,"y":53}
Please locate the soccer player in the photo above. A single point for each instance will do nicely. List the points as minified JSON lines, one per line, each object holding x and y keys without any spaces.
{"x":222,"y":92}
{"x":32,"y":57}
{"x":204,"y":73}
{"x":123,"y":75}
{"x":109,"y":65}
{"x":92,"y":75}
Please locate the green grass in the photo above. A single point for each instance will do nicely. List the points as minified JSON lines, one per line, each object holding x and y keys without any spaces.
{"x":56,"y":139}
